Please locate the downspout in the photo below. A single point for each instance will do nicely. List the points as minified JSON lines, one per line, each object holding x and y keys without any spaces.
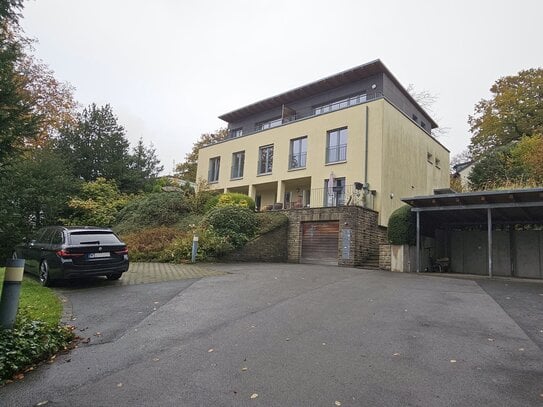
{"x":366,"y":151}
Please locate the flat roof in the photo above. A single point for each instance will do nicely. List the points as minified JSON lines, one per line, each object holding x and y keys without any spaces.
{"x":319,"y":86}
{"x":507,"y":206}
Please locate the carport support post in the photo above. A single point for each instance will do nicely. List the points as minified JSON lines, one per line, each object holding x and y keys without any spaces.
{"x":489,"y":221}
{"x":11,"y":289}
{"x":418,"y":242}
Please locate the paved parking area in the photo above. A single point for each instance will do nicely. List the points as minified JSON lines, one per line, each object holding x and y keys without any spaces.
{"x":294,"y":335}
{"x":144,"y":273}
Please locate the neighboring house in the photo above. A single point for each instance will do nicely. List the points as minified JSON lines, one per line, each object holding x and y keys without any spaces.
{"x":462,"y":171}
{"x":356,"y":138}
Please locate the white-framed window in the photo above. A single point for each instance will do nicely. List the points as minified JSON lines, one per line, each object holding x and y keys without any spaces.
{"x":265,"y":159}
{"x":214,"y":167}
{"x":238,"y":162}
{"x":236,"y":132}
{"x":340,"y":104}
{"x":269,"y":124}
{"x":336,"y":145}
{"x":298,"y":153}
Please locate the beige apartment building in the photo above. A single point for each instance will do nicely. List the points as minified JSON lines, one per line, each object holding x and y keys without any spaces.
{"x":356,"y":138}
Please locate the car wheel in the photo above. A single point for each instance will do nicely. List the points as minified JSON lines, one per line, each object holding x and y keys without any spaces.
{"x":43,"y":274}
{"x":115,"y":276}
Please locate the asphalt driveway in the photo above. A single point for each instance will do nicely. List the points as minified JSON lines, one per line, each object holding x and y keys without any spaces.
{"x":297,"y":335}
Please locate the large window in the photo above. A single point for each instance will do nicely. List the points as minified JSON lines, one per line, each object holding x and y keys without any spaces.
{"x":268,"y":124}
{"x":341,"y":104}
{"x":334,"y":193}
{"x":238,"y":161}
{"x":236,"y":133}
{"x":336,"y":145}
{"x":265,"y":160}
{"x":298,"y":153}
{"x":214,"y":165}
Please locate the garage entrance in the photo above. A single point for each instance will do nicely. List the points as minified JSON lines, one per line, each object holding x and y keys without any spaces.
{"x":320,"y":242}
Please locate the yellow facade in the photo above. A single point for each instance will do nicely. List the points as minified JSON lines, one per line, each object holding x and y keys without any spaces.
{"x":397,"y":160}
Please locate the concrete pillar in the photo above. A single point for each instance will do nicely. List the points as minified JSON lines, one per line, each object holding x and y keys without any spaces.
{"x":280,"y":191}
{"x":252,"y":191}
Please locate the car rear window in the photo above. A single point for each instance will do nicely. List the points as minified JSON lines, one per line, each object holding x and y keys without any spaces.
{"x":93,"y":238}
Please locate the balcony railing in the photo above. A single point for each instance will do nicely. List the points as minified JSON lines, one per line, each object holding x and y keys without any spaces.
{"x":336,"y":153}
{"x":297,"y":160}
{"x":303,"y":113}
{"x":330,"y":197}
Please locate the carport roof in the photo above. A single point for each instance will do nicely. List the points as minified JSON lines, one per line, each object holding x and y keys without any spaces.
{"x":507,"y":206}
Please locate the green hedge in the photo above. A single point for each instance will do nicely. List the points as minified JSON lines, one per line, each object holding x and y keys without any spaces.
{"x":402,"y":226}
{"x":237,"y":223}
{"x":152,"y":210}
{"x":231,"y":199}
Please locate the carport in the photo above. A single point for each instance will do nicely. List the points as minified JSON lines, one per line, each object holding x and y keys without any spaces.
{"x":512,"y":221}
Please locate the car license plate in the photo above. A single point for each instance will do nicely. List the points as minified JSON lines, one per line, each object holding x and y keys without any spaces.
{"x":98,"y":255}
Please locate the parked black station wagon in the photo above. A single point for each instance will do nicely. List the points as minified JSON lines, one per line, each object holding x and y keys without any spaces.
{"x":59,"y":252}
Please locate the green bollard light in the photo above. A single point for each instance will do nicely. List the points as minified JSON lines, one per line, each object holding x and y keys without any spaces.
{"x":11,"y":289}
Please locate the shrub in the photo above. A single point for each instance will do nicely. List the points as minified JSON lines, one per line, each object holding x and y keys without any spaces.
{"x":231,"y":199}
{"x":401,"y":226}
{"x":97,"y":204}
{"x":210,"y":246}
{"x":152,"y":210}
{"x":237,"y":223}
{"x":268,"y":221}
{"x":30,"y":342}
{"x":150,"y":244}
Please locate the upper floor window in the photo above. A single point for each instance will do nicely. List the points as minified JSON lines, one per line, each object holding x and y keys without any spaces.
{"x":336,"y":145}
{"x":340,"y":104}
{"x":265,"y":160}
{"x":298,"y":153}
{"x":238,"y":161}
{"x":438,"y":163}
{"x":214,"y":165}
{"x":430,"y":157}
{"x":236,"y":132}
{"x":269,"y":124}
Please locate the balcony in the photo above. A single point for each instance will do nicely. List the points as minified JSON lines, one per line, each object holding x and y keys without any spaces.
{"x":329,"y":197}
{"x":310,"y":111}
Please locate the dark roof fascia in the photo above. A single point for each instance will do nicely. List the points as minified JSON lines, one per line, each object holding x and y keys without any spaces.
{"x":321,"y":85}
{"x":440,"y":199}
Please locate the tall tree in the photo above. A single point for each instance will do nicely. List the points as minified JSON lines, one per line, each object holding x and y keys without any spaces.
{"x":514,"y":110}
{"x":144,"y":168}
{"x":17,"y":121}
{"x":34,"y":191}
{"x":52,"y":101}
{"x":96,"y":145}
{"x":187,"y":169}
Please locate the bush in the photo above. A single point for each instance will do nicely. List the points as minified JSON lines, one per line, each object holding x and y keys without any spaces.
{"x":153,"y":210}
{"x":268,"y":221}
{"x":30,"y":342}
{"x":402,"y":227}
{"x":150,"y":244}
{"x":231,"y":199}
{"x":237,"y":223}
{"x":210,"y":246}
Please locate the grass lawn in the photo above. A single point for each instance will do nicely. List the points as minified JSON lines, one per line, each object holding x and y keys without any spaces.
{"x":39,"y":303}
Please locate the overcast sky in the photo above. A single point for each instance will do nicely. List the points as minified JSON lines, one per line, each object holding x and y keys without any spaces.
{"x":169,"y":68}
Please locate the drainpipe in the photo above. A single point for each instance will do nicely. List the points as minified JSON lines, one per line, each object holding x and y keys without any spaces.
{"x":366,"y":152}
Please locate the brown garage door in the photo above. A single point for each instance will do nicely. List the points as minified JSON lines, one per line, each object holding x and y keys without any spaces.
{"x":320,"y":242}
